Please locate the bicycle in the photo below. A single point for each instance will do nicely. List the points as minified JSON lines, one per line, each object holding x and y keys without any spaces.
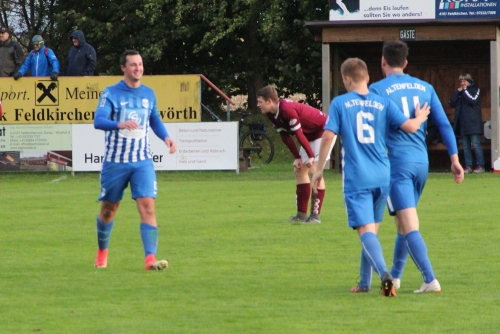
{"x":255,"y":143}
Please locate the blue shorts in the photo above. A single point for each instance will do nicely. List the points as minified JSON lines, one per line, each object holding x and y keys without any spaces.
{"x":407,"y":185}
{"x":365,"y":206}
{"x":115,"y":178}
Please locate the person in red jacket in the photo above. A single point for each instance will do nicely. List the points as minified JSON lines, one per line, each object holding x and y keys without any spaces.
{"x":306,"y":124}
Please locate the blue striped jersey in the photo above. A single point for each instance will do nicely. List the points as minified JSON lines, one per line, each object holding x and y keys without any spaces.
{"x":121,"y":103}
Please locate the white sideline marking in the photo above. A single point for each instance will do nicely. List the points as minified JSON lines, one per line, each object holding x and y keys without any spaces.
{"x":59,"y":179}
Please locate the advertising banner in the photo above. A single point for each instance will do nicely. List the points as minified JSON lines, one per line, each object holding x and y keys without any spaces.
{"x":476,"y":9}
{"x":35,"y":147}
{"x":200,"y":146}
{"x":362,"y":10}
{"x":73,"y":100}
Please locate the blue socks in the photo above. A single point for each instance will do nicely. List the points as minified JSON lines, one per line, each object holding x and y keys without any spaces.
{"x":412,"y":244}
{"x":400,"y":256}
{"x":149,"y":235}
{"x":418,"y":252}
{"x":365,"y":272}
{"x":103,"y":233}
{"x":373,"y":252}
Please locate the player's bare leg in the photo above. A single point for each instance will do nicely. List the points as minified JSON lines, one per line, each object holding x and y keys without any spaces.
{"x":407,"y":220}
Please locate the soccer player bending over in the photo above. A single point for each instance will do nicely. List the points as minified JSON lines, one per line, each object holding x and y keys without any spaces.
{"x":410,"y":163}
{"x":306,"y":123}
{"x":363,"y":119}
{"x":126,"y":112}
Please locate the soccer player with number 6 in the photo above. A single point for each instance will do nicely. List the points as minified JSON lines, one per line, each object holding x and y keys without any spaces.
{"x":363,"y":119}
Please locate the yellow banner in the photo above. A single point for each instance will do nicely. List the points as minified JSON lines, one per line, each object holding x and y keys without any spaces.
{"x":74,"y":99}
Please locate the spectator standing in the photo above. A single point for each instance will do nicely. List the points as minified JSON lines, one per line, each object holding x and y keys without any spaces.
{"x":81,"y":59}
{"x":11,"y":54}
{"x":41,"y":62}
{"x":468,"y":121}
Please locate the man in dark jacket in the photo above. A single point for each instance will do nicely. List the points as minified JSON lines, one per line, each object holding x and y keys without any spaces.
{"x":11,"y":54}
{"x":82,"y":59}
{"x":468,"y":121}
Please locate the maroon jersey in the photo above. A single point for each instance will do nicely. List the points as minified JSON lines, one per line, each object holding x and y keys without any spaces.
{"x":298,"y":119}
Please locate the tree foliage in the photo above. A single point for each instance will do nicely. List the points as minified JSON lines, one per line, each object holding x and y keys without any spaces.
{"x":240,"y":45}
{"x":29,"y":18}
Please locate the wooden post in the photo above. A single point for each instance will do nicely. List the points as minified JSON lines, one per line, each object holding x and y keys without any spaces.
{"x":495,"y":99}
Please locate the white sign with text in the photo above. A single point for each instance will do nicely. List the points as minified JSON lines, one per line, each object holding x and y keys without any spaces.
{"x":362,"y":10}
{"x":200,"y":146}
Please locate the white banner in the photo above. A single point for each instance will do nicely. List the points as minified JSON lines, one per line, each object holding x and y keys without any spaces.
{"x":362,"y":10}
{"x":200,"y":146}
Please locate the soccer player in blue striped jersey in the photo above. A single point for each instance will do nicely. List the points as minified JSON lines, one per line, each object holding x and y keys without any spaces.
{"x":363,"y":120}
{"x":409,"y":161}
{"x":126,"y":112}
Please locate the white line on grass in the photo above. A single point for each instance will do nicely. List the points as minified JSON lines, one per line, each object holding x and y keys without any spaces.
{"x":59,"y":179}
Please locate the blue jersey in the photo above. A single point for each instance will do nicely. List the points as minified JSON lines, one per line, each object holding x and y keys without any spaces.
{"x":363,"y":122}
{"x":120,"y":103}
{"x":406,"y":91}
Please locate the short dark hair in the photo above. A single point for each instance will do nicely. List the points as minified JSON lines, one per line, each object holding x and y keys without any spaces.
{"x":123,"y":57}
{"x":268,"y":92}
{"x":354,"y":68}
{"x":395,"y":53}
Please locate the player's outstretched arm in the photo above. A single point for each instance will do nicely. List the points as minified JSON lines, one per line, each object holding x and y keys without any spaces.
{"x":324,"y":150}
{"x":456,"y":169}
{"x":421,"y":114}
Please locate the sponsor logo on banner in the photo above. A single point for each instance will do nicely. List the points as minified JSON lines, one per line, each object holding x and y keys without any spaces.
{"x":47,"y":93}
{"x":460,"y":9}
{"x":362,"y":10}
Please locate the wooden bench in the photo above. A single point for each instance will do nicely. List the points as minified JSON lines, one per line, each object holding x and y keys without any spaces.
{"x":438,"y":153}
{"x":486,"y":115}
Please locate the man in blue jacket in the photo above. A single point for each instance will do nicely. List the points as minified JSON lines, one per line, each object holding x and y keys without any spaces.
{"x":41,"y":62}
{"x":82,"y":59}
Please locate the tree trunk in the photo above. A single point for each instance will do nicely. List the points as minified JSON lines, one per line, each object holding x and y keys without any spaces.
{"x":253,"y":85}
{"x":254,"y":75}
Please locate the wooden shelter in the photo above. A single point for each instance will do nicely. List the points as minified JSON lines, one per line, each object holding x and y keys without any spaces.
{"x":440,"y":50}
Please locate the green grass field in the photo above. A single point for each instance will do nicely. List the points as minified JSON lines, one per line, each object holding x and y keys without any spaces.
{"x":235,"y":267}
